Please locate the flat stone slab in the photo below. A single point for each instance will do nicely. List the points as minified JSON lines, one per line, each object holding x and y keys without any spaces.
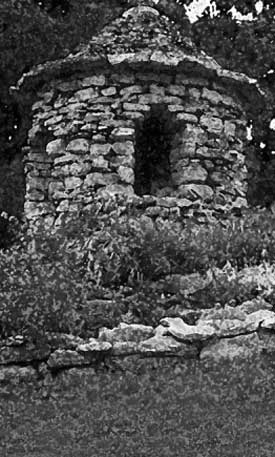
{"x":176,"y":327}
{"x":166,"y":345}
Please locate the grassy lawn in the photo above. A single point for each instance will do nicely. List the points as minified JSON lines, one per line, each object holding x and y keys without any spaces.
{"x":155,"y":408}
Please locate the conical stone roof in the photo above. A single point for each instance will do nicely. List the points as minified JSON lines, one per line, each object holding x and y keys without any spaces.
{"x":144,"y":39}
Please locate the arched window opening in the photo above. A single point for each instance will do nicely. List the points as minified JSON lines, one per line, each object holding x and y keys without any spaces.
{"x":153,"y":145}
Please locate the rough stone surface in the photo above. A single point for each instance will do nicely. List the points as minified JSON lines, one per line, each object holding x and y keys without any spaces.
{"x":184,"y":332}
{"x":244,"y":347}
{"x":213,"y":335}
{"x":161,"y":345}
{"x":92,"y":119}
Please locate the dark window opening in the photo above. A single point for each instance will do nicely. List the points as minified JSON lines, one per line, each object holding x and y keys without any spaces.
{"x":153,"y":145}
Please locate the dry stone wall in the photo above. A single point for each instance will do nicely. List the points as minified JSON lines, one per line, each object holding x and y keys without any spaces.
{"x":234,"y":335}
{"x":85,"y":141}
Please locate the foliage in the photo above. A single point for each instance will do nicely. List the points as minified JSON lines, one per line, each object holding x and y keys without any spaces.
{"x":49,"y":278}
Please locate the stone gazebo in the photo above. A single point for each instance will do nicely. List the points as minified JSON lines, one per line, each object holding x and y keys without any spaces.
{"x":141,"y":112}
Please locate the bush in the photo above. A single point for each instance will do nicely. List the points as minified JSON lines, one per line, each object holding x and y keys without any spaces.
{"x":47,"y":278}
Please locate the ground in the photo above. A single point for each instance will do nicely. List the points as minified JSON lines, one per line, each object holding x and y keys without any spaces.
{"x":173,"y":411}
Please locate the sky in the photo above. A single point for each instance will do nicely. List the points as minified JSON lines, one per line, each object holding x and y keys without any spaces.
{"x":198,"y":6}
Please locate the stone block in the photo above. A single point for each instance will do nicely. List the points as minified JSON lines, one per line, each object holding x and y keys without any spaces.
{"x":126,"y":175}
{"x":99,"y":149}
{"x":125,"y":161}
{"x":212,"y":124}
{"x":185,"y":117}
{"x":135,"y":107}
{"x":175,"y":108}
{"x":96,"y":80}
{"x":125,"y":148}
{"x":78,"y":146}
{"x":229,"y":129}
{"x":63,"y":206}
{"x":148,"y":99}
{"x":212,"y":96}
{"x":73,"y":182}
{"x":66,"y":159}
{"x":33,"y":209}
{"x":55,"y":148}
{"x":194,"y":93}
{"x":194,"y":173}
{"x":156,"y":89}
{"x":194,"y":134}
{"x":127,"y":91}
{"x":35,"y":195}
{"x":115,"y":189}
{"x":109,"y":91}
{"x":100,"y":179}
{"x":219,"y":177}
{"x":85,"y":94}
{"x":196,"y":191}
{"x":133,"y":115}
{"x":176,"y":89}
{"x":123,"y":133}
{"x":56,"y":190}
{"x":36,"y":183}
{"x":100,"y":163}
{"x":98,"y":116}
{"x":53,"y":120}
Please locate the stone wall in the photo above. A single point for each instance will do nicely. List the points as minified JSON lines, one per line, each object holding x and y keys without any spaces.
{"x":94,"y":136}
{"x":238,"y":334}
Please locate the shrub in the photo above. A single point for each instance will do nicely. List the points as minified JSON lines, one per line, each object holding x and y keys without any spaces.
{"x":47,"y":278}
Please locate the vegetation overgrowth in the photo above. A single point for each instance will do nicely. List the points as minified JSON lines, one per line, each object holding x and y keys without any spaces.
{"x":48,"y":280}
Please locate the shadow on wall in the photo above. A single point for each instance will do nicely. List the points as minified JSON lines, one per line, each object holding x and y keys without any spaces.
{"x":154,"y":137}
{"x":12,"y":185}
{"x":261,"y":178}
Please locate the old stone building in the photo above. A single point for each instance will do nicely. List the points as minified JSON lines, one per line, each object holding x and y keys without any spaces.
{"x":140,"y":112}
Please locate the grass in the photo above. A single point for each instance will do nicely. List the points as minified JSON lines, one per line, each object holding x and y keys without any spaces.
{"x":162,"y":408}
